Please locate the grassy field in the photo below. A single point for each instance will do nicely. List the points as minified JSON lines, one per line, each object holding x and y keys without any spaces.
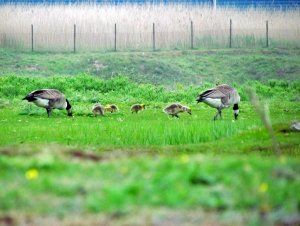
{"x":162,"y":68}
{"x":146,"y":168}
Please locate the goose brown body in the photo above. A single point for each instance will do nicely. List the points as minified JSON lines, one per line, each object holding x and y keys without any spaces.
{"x":49,"y":99}
{"x":220,"y":97}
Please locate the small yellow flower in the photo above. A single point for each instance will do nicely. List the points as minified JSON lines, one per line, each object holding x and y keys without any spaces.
{"x":247,"y":168}
{"x":184,"y":158}
{"x":32,"y":174}
{"x":124,"y":170}
{"x":282,"y":160}
{"x":263,"y":187}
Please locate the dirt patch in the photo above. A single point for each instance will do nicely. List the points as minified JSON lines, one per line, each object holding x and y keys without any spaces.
{"x":97,"y":65}
{"x":6,"y":220}
{"x":141,"y":217}
{"x":33,"y":67}
{"x":285,"y":71}
{"x":85,"y":156}
{"x":156,"y":217}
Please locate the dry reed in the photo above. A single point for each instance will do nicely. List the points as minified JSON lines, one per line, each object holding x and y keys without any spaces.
{"x":263,"y":112}
{"x":53,"y":26}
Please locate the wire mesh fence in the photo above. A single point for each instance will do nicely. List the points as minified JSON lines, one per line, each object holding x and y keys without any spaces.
{"x":90,"y":27}
{"x":194,"y":37}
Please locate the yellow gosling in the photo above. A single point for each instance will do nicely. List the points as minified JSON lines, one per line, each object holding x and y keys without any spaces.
{"x":111,"y":108}
{"x":137,"y":107}
{"x":175,"y":109}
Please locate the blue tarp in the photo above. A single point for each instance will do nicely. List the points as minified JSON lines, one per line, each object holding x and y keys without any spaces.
{"x":239,"y":3}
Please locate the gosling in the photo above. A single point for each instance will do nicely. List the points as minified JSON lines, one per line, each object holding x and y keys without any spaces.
{"x":49,"y":99}
{"x":111,"y":108}
{"x":137,"y":107}
{"x":175,"y":109}
{"x":98,"y":109}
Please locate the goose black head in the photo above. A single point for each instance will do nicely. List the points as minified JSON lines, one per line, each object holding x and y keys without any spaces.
{"x":236,"y":111}
{"x":68,"y":108}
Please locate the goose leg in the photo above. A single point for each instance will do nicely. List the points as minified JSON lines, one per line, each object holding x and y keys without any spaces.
{"x":216,"y":116}
{"x":48,"y":112}
{"x":220,"y":113}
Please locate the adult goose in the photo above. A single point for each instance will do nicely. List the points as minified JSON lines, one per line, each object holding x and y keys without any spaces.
{"x":220,"y":97}
{"x":49,"y":99}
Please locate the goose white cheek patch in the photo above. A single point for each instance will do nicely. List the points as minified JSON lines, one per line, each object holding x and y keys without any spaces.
{"x":41,"y":102}
{"x":236,"y":112}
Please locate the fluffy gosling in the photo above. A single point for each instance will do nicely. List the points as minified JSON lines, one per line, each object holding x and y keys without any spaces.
{"x":111,"y":108}
{"x":137,"y":107}
{"x":175,"y":109}
{"x":98,"y":109}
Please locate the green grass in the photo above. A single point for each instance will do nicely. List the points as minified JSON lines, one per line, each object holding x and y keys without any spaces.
{"x":123,"y":163}
{"x":164,"y":68}
{"x":28,"y":124}
{"x":123,"y":186}
{"x":147,"y":128}
{"x":149,"y":165}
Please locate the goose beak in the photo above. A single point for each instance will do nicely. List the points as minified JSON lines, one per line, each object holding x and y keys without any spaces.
{"x":70,"y":113}
{"x":236,"y":116}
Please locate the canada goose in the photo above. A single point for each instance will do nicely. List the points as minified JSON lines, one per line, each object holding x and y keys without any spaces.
{"x":98,"y":109}
{"x":111,"y":108}
{"x":137,"y":107}
{"x":174,"y":109}
{"x":220,"y":97}
{"x":49,"y":99}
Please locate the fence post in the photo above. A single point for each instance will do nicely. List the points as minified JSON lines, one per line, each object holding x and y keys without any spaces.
{"x":192,"y":35}
{"x":267,"y":34}
{"x":153,"y":36}
{"x":115,"y":41}
{"x":31,"y":37}
{"x":230,"y":34}
{"x":74,"y":47}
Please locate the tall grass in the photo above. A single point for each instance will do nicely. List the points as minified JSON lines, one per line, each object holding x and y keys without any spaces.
{"x":149,"y":128}
{"x":89,"y":89}
{"x":53,"y":26}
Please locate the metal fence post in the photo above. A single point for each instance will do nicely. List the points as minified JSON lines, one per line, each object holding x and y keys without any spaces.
{"x":31,"y":37}
{"x":74,"y":47}
{"x":153,"y":36}
{"x":115,"y":41}
{"x":267,"y":34}
{"x":192,"y":35}
{"x":230,"y":34}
